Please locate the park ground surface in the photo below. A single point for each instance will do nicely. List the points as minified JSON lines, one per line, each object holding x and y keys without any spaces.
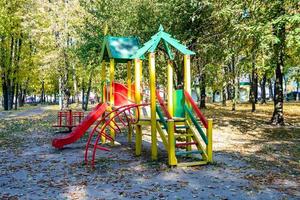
{"x":253,"y":160}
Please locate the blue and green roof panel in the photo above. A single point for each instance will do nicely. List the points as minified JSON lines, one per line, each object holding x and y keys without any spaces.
{"x":167,"y":40}
{"x":119,"y":48}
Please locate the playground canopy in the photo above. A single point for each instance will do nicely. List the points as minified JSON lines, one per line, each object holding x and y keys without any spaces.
{"x":167,"y":40}
{"x":119,"y":48}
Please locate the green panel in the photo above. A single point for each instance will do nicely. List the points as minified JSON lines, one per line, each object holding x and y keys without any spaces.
{"x":169,"y":52}
{"x":197,"y":125}
{"x":178,"y":103}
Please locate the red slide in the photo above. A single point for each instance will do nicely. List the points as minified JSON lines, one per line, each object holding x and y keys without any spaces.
{"x":80,"y":130}
{"x":121,"y":94}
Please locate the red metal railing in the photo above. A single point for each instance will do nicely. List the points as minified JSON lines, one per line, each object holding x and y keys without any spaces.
{"x":69,"y":118}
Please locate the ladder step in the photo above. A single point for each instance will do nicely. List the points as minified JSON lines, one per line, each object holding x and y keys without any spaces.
{"x":180,"y":131}
{"x":184,"y":135}
{"x":185,"y":144}
{"x":189,"y":164}
{"x":183,"y":153}
{"x":178,"y":127}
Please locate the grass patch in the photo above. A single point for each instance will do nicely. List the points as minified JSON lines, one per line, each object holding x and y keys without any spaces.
{"x":13,"y":131}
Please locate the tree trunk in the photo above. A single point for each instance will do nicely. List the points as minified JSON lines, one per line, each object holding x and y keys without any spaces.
{"x":83,"y":95}
{"x":278,"y":61}
{"x":75,"y":85}
{"x":11,"y":96}
{"x":271,"y":93}
{"x":255,"y":86}
{"x":229,"y":91}
{"x":61,"y":96}
{"x":203,"y":91}
{"x":263,"y":89}
{"x":16,"y":96}
{"x":5,"y":94}
{"x":253,"y":83}
{"x":235,"y":83}
{"x":42,"y":100}
{"x":223,"y":92}
{"x":298,"y":92}
{"x":20,"y":96}
{"x":277,"y":117}
{"x":88,"y":90}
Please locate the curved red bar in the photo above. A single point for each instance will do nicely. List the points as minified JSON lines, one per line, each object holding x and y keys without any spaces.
{"x":196,"y":109}
{"x":101,"y":132}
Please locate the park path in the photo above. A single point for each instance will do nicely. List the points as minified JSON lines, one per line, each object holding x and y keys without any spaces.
{"x":39,"y":110}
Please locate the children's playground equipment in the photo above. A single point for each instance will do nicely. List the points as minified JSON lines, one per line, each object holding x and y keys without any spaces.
{"x":69,"y":119}
{"x":184,"y":131}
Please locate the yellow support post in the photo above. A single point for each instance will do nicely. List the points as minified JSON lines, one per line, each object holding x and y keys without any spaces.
{"x":171,"y":140}
{"x":111,"y":94}
{"x":187,"y":73}
{"x":129,"y":136}
{"x":129,"y":79}
{"x":103,"y":88}
{"x":170,"y":88}
{"x":209,"y":147}
{"x":103,"y":80}
{"x":111,"y":79}
{"x":141,"y":82}
{"x":189,"y":139}
{"x":137,"y":86}
{"x":153,"y":106}
{"x":187,"y":86}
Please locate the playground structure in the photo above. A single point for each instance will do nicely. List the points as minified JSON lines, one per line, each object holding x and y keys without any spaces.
{"x":178,"y":121}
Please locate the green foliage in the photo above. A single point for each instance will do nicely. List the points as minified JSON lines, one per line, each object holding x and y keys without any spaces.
{"x":62,"y":39}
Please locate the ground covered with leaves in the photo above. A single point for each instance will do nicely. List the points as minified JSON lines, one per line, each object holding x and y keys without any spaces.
{"x":253,"y":160}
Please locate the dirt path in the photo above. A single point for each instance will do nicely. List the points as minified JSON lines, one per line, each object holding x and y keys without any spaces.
{"x":35,"y":170}
{"x":34,"y":111}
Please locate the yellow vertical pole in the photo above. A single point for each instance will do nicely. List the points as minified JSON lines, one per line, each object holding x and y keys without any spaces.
{"x":209,"y":147}
{"x":137,"y":86}
{"x":103,"y":80}
{"x":129,"y":136}
{"x":141,"y":82}
{"x":170,"y":87}
{"x":171,"y":140}
{"x":111,"y":93}
{"x":111,"y":79}
{"x":129,"y":79}
{"x":187,"y":73}
{"x":187,"y":86}
{"x":153,"y":106}
{"x":103,"y":88}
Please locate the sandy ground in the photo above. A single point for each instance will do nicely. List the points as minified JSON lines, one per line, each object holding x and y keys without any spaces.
{"x":38,"y":171}
{"x":24,"y":113}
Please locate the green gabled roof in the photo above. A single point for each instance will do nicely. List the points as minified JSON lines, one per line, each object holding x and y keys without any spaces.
{"x":119,"y":48}
{"x":167,"y":40}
